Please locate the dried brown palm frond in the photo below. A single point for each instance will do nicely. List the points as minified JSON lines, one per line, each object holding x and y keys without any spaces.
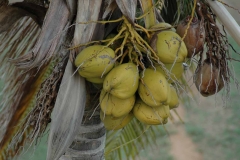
{"x":15,"y":42}
{"x":22,"y":89}
{"x":32,"y":79}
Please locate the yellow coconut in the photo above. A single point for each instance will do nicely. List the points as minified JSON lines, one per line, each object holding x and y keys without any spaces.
{"x":122,"y":81}
{"x":97,"y":80}
{"x":153,"y":88}
{"x":173,"y":100}
{"x":169,"y":47}
{"x":174,"y":71}
{"x":114,"y":106}
{"x":115,"y":123}
{"x":95,"y":61}
{"x":151,"y":115}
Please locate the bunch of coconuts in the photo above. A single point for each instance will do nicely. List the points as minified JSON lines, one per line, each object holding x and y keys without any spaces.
{"x":208,"y":76}
{"x":129,"y":91}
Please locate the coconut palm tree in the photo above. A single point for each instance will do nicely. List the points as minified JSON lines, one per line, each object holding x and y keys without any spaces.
{"x":40,"y":40}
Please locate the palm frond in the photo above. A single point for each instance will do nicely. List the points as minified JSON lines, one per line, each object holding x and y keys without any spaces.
{"x":21,"y":33}
{"x":128,"y":142}
{"x":17,"y":95}
{"x":128,"y":8}
{"x":27,"y":97}
{"x":70,"y":103}
{"x":21,"y":90}
{"x":33,"y":78}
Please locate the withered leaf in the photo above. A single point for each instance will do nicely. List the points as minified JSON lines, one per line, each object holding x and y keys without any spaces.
{"x":67,"y":114}
{"x":128,"y":8}
{"x":87,"y":11}
{"x":111,"y":5}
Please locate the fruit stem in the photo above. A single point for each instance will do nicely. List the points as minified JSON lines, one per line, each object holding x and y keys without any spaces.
{"x":148,"y":9}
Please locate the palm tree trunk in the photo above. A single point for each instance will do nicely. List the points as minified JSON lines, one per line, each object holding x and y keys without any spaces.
{"x":89,"y":144}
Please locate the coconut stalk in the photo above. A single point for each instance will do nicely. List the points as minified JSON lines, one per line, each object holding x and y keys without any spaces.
{"x":149,"y":10}
{"x":227,"y":20}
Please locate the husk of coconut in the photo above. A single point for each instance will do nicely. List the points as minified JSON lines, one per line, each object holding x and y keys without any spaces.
{"x":208,"y":77}
{"x":195,"y":37}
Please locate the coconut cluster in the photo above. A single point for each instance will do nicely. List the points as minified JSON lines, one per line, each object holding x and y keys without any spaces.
{"x":139,"y":69}
{"x":129,"y":90}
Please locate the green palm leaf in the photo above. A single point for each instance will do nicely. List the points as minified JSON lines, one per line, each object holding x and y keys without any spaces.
{"x":128,"y":142}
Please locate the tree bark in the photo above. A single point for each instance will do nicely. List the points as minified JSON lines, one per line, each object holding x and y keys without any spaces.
{"x":89,"y":144}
